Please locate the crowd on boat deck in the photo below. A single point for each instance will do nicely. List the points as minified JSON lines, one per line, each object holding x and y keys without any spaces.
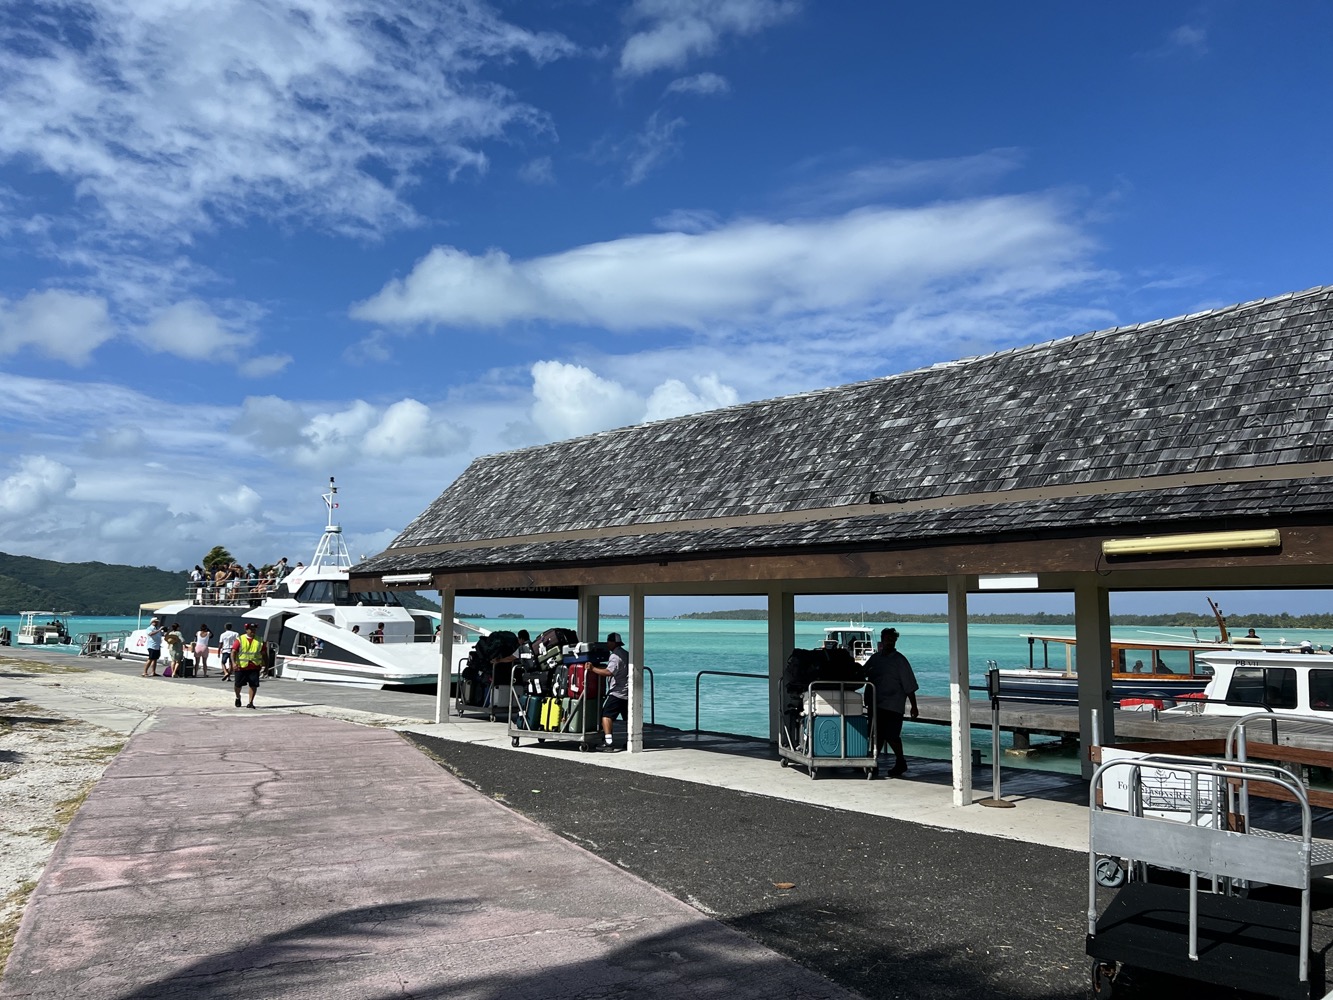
{"x":230,"y":583}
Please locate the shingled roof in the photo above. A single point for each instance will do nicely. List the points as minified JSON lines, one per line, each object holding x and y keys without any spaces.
{"x":1215,"y":416}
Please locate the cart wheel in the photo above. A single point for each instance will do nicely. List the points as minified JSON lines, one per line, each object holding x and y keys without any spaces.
{"x":814,"y":773}
{"x":583,"y":747}
{"x":870,"y":774}
{"x":1103,"y":979}
{"x":540,"y":740}
{"x":513,"y":742}
{"x":1109,"y":873}
{"x":784,"y":762}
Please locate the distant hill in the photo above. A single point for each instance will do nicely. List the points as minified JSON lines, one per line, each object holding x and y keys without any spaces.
{"x":90,"y":588}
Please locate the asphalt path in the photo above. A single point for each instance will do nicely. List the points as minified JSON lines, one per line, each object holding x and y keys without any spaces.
{"x":884,"y":907}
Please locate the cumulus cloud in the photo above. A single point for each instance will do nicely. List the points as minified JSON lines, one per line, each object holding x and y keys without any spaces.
{"x":701,"y":84}
{"x":63,"y":325}
{"x":751,"y":270}
{"x":192,"y":330}
{"x":358,"y":432}
{"x":669,"y":33}
{"x":35,"y":484}
{"x":673,"y":398}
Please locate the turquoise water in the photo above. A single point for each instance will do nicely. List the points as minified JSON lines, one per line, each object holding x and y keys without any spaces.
{"x":676,"y":650}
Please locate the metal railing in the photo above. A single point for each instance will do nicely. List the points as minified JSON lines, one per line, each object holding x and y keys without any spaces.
{"x":716,"y":673}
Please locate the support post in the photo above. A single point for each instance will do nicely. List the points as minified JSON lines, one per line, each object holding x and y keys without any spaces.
{"x":589,"y":617}
{"x":960,"y":698}
{"x":781,"y":641}
{"x":442,"y":700}
{"x":1092,"y":647}
{"x":636,"y":646}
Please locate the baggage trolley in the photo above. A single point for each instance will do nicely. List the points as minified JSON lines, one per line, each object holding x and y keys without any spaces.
{"x":541,"y":706}
{"x":1208,"y":896}
{"x":495,"y":696}
{"x":831,"y":728}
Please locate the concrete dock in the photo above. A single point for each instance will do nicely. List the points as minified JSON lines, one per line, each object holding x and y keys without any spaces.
{"x":284,"y":853}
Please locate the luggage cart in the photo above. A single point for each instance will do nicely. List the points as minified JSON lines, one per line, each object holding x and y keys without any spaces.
{"x":831,"y":728}
{"x":496,"y":695}
{"x":1209,"y":895}
{"x":542,"y":707}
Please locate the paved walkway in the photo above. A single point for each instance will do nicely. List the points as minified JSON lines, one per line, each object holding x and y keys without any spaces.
{"x":241,"y":854}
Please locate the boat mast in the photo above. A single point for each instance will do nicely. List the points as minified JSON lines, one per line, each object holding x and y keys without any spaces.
{"x":331,"y":552}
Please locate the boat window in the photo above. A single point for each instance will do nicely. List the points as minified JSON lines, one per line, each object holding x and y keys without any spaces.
{"x":1171,"y":661}
{"x":1321,"y":690}
{"x":1272,"y":687}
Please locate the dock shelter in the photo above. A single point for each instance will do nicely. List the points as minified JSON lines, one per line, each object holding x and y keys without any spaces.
{"x":1189,"y":453}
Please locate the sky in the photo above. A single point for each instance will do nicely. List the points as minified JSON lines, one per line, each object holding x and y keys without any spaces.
{"x":247,"y":246}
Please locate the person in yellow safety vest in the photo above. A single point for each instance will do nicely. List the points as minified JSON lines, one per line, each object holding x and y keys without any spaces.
{"x":248,"y":663}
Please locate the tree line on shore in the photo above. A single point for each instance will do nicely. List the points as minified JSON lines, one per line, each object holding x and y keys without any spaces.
{"x":1177,"y":619}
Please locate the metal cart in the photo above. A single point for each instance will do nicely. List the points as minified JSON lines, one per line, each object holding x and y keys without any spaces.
{"x":1209,"y":896}
{"x":541,"y":707}
{"x":831,"y":727}
{"x":496,"y":697}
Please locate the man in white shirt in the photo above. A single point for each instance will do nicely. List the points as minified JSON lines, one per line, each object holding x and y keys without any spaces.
{"x":225,"y":642}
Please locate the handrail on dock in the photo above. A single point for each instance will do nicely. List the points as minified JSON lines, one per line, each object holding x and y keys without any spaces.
{"x":716,"y":673}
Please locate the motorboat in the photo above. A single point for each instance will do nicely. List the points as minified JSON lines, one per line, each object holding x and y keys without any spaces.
{"x":43,"y":628}
{"x":1295,"y":681}
{"x":859,"y":640}
{"x":317,"y":629}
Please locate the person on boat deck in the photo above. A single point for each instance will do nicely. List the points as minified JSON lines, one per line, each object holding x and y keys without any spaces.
{"x":1138,"y":667}
{"x":225,"y":643}
{"x":249,"y":661}
{"x":280,"y":569}
{"x":895,"y":685}
{"x":378,"y":634}
{"x":201,"y":640}
{"x":154,"y":649}
{"x":175,"y":648}
{"x":1251,"y":635}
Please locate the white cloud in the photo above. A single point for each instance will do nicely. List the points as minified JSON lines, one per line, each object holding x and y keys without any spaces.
{"x":672,"y":32}
{"x":538,"y":171}
{"x":35,"y":485}
{"x":886,"y":180}
{"x":673,"y":398}
{"x":57,"y":324}
{"x":569,"y":400}
{"x":752,"y":271}
{"x":192,"y":330}
{"x":320,"y":109}
{"x":651,"y":146}
{"x":701,"y":84}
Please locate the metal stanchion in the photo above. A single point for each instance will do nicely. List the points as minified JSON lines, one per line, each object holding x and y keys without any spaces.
{"x":993,"y":689}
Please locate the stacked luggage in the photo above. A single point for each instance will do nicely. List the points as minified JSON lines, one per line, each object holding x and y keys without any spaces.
{"x":557,"y":697}
{"x":478,"y":687}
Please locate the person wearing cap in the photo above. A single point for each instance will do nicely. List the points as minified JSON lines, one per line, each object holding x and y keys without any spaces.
{"x":154,"y":650}
{"x":895,"y":685}
{"x":248,"y":661}
{"x":616,"y":703}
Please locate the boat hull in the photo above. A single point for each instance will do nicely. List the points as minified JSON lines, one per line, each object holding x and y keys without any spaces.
{"x":1049,"y":685}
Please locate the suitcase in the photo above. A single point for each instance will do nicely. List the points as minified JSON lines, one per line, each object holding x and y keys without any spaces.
{"x":582,"y":715}
{"x":530,"y":713}
{"x":186,"y":670}
{"x":554,"y":638}
{"x":580,"y":677}
{"x":551,"y":711}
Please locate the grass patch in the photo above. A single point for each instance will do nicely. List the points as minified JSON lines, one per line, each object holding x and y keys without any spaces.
{"x":16,"y":901}
{"x":65,"y":812}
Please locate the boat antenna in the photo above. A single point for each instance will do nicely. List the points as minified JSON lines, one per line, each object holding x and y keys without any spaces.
{"x":331,"y":553}
{"x":1221,"y":621}
{"x":331,"y":500}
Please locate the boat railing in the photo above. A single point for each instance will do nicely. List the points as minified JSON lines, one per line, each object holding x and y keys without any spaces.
{"x":230,"y":592}
{"x":111,"y":643}
{"x":715,"y":673}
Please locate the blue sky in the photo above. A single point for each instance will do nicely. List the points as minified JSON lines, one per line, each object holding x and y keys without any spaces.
{"x":245,"y":246}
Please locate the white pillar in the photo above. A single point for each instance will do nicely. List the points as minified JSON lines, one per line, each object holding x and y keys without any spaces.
{"x":781,"y":641}
{"x":960,"y":698}
{"x":1092,"y":648}
{"x":635,"y":724}
{"x":442,"y":700}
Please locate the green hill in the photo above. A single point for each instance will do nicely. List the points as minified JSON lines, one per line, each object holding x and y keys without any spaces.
{"x":90,"y":588}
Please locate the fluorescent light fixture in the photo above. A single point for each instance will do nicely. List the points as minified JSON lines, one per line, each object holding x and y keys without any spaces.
{"x":1266,"y":538}
{"x":406,"y":579}
{"x":1010,"y":581}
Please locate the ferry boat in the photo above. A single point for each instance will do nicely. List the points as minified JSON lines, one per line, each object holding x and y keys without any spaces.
{"x":859,"y":640}
{"x":43,"y":628}
{"x":317,"y":629}
{"x":1297,"y":680}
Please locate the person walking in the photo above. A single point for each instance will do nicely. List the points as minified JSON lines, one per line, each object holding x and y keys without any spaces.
{"x":225,"y":643}
{"x":154,"y":648}
{"x":616,"y":703}
{"x":895,"y":685}
{"x":201,"y":640}
{"x":249,"y":661}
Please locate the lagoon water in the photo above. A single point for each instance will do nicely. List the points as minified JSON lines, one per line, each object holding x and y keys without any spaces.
{"x":677,"y":650}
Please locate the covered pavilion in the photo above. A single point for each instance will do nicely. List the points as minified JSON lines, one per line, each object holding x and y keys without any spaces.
{"x":1203,"y":442}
